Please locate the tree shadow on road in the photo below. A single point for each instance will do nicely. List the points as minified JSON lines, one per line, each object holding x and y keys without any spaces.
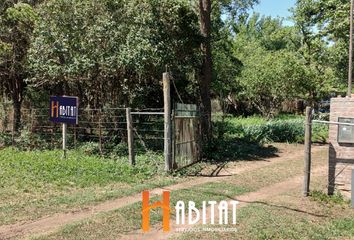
{"x":224,"y":151}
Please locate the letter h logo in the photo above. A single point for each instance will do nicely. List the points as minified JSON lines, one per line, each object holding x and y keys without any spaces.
{"x":55,"y":109}
{"x":165,"y":205}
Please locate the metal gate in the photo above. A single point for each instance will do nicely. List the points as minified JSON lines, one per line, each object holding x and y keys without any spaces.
{"x":186,"y":135}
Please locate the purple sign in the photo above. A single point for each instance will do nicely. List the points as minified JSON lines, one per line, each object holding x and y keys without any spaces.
{"x":64,"y":109}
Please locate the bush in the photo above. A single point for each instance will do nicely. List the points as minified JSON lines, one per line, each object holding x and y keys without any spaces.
{"x":90,"y":148}
{"x":258,"y":130}
{"x":5,"y":140}
{"x":120,"y":150}
{"x":276,"y":131}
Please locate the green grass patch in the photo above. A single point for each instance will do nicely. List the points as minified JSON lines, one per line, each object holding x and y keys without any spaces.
{"x":263,"y":221}
{"x":284,"y":128}
{"x":37,"y":183}
{"x":335,"y":199}
{"x":112,"y":224}
{"x":27,"y":169}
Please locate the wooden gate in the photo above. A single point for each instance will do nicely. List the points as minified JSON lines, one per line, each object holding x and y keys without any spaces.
{"x":186,"y":141}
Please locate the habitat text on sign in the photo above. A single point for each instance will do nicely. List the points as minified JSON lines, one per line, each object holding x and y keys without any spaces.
{"x":64,"y":109}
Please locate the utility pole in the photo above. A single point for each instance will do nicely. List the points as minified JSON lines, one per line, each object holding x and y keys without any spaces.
{"x":350,"y":71}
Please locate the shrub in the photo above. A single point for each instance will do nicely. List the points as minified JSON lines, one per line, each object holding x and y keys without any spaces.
{"x":258,"y":130}
{"x":5,"y":139}
{"x":90,"y":148}
{"x":120,"y":150}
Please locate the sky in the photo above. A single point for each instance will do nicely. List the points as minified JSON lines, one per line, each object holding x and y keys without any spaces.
{"x":276,"y":8}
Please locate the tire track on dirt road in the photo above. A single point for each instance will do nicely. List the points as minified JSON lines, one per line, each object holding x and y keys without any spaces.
{"x":156,"y":232}
{"x":53,"y":223}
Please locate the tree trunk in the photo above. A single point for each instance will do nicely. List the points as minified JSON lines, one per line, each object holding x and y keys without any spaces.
{"x":206,"y":71}
{"x":17,"y":89}
{"x":16,"y":103}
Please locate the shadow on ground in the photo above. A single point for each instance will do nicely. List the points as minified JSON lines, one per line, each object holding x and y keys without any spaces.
{"x":226,"y":150}
{"x":234,"y":149}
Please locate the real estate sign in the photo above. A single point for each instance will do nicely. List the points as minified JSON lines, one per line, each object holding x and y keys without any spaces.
{"x":64,"y":109}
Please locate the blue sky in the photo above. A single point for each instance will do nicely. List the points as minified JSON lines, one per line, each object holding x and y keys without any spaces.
{"x":276,"y":8}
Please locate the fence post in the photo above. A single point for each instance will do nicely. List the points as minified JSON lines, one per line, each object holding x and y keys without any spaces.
{"x":32,"y":126}
{"x":130,"y":137}
{"x":353,"y":188}
{"x":167,"y":121}
{"x":64,"y":140}
{"x":75,"y":136}
{"x":13,"y":128}
{"x":308,"y":133}
{"x":100,"y":132}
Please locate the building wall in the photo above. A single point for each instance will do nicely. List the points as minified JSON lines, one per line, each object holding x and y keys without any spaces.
{"x":341,"y":156}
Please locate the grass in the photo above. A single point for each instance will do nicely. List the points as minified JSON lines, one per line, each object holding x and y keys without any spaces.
{"x":37,"y":183}
{"x":113,"y":224}
{"x":335,"y":199}
{"x":255,"y":129}
{"x":289,"y":216}
{"x":33,"y":169}
{"x":261,"y":221}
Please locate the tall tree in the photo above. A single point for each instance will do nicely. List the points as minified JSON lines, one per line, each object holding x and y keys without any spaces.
{"x":323,"y":45}
{"x":16,"y":24}
{"x":206,"y":72}
{"x":112,"y":52}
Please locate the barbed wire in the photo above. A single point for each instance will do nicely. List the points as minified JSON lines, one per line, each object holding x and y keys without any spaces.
{"x":95,"y":125}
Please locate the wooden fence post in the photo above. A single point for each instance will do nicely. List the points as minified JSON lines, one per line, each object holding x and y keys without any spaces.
{"x":13,"y":128}
{"x":100,"y":132}
{"x":308,"y":135}
{"x":32,"y":127}
{"x":75,"y":136}
{"x":167,"y":122}
{"x":51,"y":137}
{"x":130,"y":137}
{"x":64,"y":140}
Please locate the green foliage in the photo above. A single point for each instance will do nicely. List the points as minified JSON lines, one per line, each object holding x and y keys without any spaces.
{"x":5,"y":140}
{"x":283,"y":129}
{"x":116,"y":47}
{"x":280,"y":63}
{"x":90,"y":148}
{"x":323,"y":27}
{"x":22,"y":168}
{"x":21,"y":13}
{"x":335,"y":199}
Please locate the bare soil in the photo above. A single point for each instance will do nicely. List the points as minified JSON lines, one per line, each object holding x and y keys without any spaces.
{"x":53,"y":223}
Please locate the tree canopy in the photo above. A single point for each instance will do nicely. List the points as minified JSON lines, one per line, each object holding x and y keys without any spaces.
{"x":113,"y":52}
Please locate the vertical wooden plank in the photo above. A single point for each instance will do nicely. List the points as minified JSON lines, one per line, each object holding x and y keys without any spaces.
{"x":130,"y":134}
{"x":167,"y":121}
{"x":308,"y":133}
{"x":173,"y":122}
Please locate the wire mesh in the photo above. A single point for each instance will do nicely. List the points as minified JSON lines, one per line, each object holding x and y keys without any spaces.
{"x":101,"y":131}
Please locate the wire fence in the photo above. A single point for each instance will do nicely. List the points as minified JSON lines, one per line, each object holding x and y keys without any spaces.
{"x":102,"y":131}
